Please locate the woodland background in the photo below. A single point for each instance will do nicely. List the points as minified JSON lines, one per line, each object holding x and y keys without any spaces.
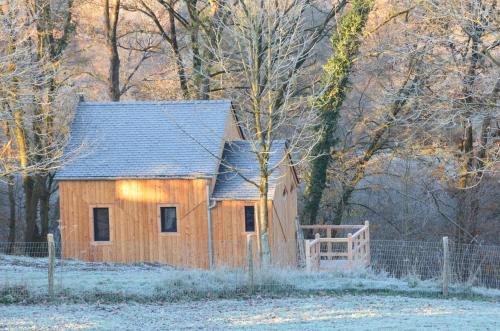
{"x":399,"y":100}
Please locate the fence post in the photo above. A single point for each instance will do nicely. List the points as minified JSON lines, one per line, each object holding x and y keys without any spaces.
{"x":329,"y":245}
{"x":367,"y":243}
{"x":446,"y":266}
{"x":52,"y":260}
{"x":349,"y":251}
{"x":317,"y":251}
{"x":250,"y":263}
{"x":308,"y":254}
{"x":300,"y":244}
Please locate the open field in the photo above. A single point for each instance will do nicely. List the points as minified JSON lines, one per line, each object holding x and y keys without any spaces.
{"x":314,"y":313}
{"x":103,"y":296}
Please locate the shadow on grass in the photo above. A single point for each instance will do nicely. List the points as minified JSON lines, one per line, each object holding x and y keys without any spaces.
{"x":21,"y":295}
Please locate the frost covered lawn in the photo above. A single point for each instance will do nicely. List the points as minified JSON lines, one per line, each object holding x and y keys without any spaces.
{"x":340,"y":313}
{"x":143,"y":296}
{"x":91,"y":282}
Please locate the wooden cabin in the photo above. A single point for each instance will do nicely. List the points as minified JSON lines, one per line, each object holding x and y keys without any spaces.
{"x":162,"y":182}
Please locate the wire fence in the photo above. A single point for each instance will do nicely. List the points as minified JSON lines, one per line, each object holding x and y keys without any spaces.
{"x":472,"y":265}
{"x":82,"y":271}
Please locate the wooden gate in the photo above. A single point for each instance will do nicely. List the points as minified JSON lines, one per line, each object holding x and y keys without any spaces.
{"x":337,"y":253}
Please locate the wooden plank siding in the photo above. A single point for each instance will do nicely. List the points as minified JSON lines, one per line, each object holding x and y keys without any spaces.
{"x":135,"y":231}
{"x":228,"y":220}
{"x":229,"y":236}
{"x":134,"y":222}
{"x":283,"y":238}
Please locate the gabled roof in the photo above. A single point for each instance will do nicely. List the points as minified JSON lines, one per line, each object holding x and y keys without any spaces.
{"x":146,"y":139}
{"x":238,"y":161}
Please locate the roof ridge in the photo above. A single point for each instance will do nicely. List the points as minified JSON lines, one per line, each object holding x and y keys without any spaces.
{"x":247,"y":141}
{"x":152,"y":102}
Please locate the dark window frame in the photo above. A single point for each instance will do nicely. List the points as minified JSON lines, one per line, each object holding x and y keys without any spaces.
{"x":249,"y":228}
{"x":93,"y":218}
{"x":162,"y":209}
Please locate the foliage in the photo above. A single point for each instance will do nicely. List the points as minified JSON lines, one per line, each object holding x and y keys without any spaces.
{"x":406,"y":82}
{"x":345,"y":43}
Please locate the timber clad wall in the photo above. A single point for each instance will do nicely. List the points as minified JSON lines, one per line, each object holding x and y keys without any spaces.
{"x":283,"y":237}
{"x":134,"y":222}
{"x":228,"y":221}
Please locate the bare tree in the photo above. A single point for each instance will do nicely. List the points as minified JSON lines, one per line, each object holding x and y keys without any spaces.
{"x":183,"y":25}
{"x":429,"y":69}
{"x":261,"y":50}
{"x":167,"y":28}
{"x":111,"y":14}
{"x":128,"y":37}
{"x":7,"y":169}
{"x":33,"y":52}
{"x":459,"y":110}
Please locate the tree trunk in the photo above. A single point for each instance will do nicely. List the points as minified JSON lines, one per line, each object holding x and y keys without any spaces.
{"x":342,"y":204}
{"x":178,"y":58}
{"x":265,"y":254}
{"x":345,"y":42}
{"x":111,"y":25}
{"x":463,"y":194}
{"x":11,"y":191}
{"x":30,"y":198}
{"x":200,"y":81}
{"x":194,"y":30}
{"x":31,"y":204}
{"x":197,"y":64}
{"x":317,"y":181}
{"x":114,"y":72}
{"x":44,"y":197}
{"x":12,"y":213}
{"x":467,"y":209}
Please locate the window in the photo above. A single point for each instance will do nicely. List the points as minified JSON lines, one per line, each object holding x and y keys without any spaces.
{"x":168,"y":218}
{"x":101,"y":224}
{"x":249,"y":218}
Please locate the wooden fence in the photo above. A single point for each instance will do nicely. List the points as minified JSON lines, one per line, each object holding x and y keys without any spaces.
{"x":327,"y":253}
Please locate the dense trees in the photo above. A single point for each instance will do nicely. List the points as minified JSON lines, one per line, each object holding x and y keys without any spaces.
{"x":425,"y":70}
{"x":462,"y":96}
{"x":345,"y":41}
{"x":399,"y":83}
{"x":35,"y":36}
{"x":185,"y":26}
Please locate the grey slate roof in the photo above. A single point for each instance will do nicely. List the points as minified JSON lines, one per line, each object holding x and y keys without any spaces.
{"x":146,"y":139}
{"x":239,"y":158}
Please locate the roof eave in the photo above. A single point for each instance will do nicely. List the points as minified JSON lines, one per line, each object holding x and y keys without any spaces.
{"x":134,"y":177}
{"x":239,"y":199}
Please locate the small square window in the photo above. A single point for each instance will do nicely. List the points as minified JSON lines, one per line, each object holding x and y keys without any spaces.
{"x":168,"y":218}
{"x":101,"y":224}
{"x":249,"y":218}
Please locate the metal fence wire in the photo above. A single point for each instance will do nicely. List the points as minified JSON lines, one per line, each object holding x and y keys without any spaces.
{"x":31,"y":249}
{"x":407,"y":258}
{"x":24,"y":270}
{"x":473,"y":265}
